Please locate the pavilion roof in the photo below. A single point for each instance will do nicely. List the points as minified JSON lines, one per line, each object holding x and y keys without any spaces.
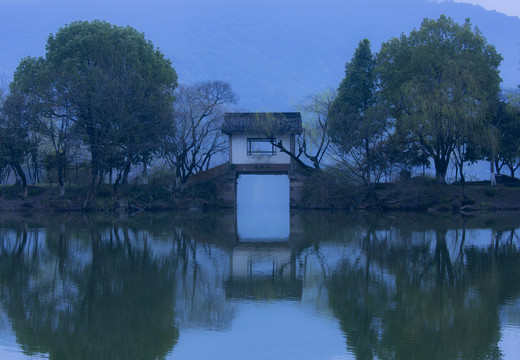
{"x":288,"y":122}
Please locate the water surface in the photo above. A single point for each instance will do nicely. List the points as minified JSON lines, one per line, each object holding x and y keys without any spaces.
{"x":187,"y":286}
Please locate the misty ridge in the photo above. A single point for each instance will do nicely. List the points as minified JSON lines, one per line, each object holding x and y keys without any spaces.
{"x":273,"y":53}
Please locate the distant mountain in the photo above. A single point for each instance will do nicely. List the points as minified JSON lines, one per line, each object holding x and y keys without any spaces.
{"x":273,"y":52}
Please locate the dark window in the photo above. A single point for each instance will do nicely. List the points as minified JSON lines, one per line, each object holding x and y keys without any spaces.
{"x":260,"y":147}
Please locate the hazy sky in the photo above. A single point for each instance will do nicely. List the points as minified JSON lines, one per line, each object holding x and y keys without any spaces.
{"x":272,"y":56}
{"x":509,"y":7}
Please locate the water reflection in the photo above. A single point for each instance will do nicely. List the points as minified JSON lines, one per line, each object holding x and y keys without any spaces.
{"x":399,"y":287}
{"x":263,"y":208}
{"x":264,"y":271}
{"x":84,"y":293}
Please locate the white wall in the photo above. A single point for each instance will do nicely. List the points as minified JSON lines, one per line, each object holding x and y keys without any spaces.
{"x":239,"y":151}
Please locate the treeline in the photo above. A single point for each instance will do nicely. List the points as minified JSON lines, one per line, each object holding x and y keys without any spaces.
{"x":432,"y":97}
{"x":104,"y":100}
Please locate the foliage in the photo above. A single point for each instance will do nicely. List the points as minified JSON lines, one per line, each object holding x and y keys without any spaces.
{"x":442,"y":83}
{"x":54,"y":116}
{"x":314,"y":141}
{"x":507,"y":124}
{"x":160,"y":176}
{"x":359,"y":122}
{"x":15,"y":139}
{"x":112,"y":84}
{"x":403,"y":154}
{"x":145,"y":194}
{"x":327,"y":190}
{"x":490,"y":192}
{"x":204,"y":190}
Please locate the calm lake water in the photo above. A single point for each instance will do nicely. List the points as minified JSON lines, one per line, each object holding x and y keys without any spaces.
{"x":328,"y":286}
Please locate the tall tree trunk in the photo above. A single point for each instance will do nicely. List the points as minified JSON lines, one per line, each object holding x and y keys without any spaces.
{"x":95,"y":182}
{"x":126,"y":171}
{"x":145,"y":173}
{"x":462,"y":180}
{"x":492,"y":169}
{"x":441,"y":168}
{"x":61,"y":166}
{"x":19,"y":171}
{"x":512,"y":168}
{"x":116,"y":183}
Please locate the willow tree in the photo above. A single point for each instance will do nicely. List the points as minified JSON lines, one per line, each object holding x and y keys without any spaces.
{"x":442,"y":82}
{"x":314,"y":142}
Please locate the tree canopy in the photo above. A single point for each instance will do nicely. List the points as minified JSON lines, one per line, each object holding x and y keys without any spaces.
{"x":112,"y":83}
{"x":442,"y":82}
{"x":359,"y":122}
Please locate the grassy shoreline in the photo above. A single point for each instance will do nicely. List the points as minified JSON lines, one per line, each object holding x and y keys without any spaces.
{"x":318,"y":194}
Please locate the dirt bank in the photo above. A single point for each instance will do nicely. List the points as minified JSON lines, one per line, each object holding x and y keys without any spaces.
{"x":402,"y":196}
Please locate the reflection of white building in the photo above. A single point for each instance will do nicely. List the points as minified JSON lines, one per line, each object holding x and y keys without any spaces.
{"x":264,"y":272}
{"x":249,"y":260}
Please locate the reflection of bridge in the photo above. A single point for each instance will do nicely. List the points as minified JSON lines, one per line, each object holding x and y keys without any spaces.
{"x":264,"y":270}
{"x":251,"y":151}
{"x":259,"y":268}
{"x":267,"y":269}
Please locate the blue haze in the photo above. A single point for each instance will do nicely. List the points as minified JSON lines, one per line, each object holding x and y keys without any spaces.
{"x":274,"y":53}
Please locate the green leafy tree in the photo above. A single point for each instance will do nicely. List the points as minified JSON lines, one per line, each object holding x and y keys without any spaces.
{"x":114,"y":86}
{"x":4,"y":166}
{"x":507,"y":123}
{"x":314,"y":142}
{"x":442,"y":82}
{"x":15,"y":140}
{"x":54,"y":116}
{"x":359,"y":123}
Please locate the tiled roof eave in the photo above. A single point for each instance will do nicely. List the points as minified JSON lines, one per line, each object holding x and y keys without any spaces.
{"x":290,"y":123}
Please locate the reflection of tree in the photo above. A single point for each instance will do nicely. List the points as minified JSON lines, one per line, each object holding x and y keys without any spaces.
{"x":410,"y":300}
{"x":200,"y":273}
{"x":118,"y":306}
{"x":356,"y":295}
{"x":117,"y":290}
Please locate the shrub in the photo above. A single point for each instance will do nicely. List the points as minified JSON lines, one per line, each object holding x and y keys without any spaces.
{"x":469,"y":201}
{"x":146,"y":193}
{"x":490,"y":192}
{"x":204,"y":190}
{"x":405,"y":175}
{"x":160,"y":176}
{"x":323,"y":189}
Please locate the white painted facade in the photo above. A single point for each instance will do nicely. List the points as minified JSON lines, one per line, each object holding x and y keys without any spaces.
{"x":238,"y":150}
